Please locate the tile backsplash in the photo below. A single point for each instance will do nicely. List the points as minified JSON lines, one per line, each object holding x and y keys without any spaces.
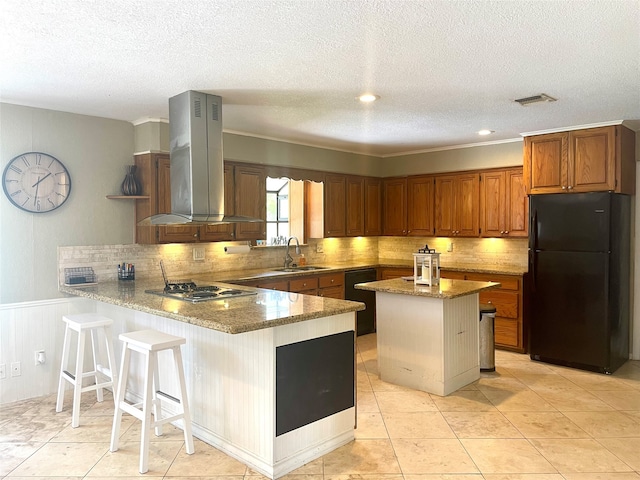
{"x":179,"y":258}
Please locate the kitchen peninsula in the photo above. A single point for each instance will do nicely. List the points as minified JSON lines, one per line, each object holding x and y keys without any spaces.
{"x":428,"y":336}
{"x":270,"y":376}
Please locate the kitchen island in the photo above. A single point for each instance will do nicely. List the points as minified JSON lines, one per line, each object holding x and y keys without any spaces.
{"x":428,"y":336}
{"x":270,"y":376}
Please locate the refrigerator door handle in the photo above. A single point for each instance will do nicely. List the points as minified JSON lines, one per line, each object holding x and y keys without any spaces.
{"x":532,"y":269}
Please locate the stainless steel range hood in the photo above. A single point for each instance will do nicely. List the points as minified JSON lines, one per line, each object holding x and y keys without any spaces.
{"x":197,"y":164}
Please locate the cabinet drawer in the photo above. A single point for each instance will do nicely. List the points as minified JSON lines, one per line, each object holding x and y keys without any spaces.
{"x":332,"y":292}
{"x":387,"y":273}
{"x":506,"y":332}
{"x":308,"y":291}
{"x":300,"y":284}
{"x":506,"y":303}
{"x":281,"y":285}
{"x":331,"y":280}
{"x":507,"y":282}
{"x":452,"y":275}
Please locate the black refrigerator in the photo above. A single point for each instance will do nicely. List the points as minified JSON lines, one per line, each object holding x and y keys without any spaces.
{"x":578,"y":290}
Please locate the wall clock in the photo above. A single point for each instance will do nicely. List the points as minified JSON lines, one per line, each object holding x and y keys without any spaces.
{"x":36,"y":182}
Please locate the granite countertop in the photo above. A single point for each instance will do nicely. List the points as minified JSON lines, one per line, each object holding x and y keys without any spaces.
{"x":446,"y":289}
{"x":248,"y":275}
{"x":266,"y":309}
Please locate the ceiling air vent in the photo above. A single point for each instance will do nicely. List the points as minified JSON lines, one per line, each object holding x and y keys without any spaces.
{"x":543,"y":97}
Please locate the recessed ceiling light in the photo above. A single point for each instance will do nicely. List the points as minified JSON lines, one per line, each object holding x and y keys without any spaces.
{"x":486,"y":132}
{"x":368,"y":98}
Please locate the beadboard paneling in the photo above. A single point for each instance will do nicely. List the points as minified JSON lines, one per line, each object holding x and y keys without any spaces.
{"x":30,"y":326}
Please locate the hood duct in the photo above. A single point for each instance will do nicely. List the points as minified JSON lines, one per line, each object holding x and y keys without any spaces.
{"x":197,"y":164}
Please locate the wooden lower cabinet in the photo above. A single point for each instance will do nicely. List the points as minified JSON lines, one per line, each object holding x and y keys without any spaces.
{"x":330,"y":285}
{"x":509,"y":323}
{"x":387,"y":273}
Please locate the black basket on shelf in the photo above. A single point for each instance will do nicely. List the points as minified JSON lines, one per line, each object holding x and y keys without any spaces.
{"x":79,"y":276}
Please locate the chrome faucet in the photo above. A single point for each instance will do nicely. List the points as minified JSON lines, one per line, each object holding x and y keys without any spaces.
{"x":287,"y":257}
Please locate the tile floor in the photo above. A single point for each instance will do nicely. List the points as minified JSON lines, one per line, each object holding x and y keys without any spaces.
{"x":528,"y":421}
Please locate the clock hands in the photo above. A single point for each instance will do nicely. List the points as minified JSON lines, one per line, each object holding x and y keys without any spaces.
{"x":35,"y":198}
{"x":41,"y":179}
{"x":37,"y":185}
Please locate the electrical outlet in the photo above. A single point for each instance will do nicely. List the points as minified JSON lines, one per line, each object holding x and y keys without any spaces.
{"x":40,"y":357}
{"x":198,"y":253}
{"x":319,"y":248}
{"x":16,"y":370}
{"x":450,"y":247}
{"x":3,"y":371}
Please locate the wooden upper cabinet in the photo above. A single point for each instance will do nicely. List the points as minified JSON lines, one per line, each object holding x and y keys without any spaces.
{"x":457,"y":205}
{"x":372,"y":206}
{"x":591,"y":163}
{"x":545,"y":162}
{"x":174,"y":233}
{"x":394,"y":206}
{"x":517,"y":208}
{"x":217,"y":233}
{"x":153,"y":174}
{"x":250,"y":201}
{"x":503,"y":204}
{"x":355,"y":216}
{"x":589,"y":160}
{"x":335,"y":205}
{"x":420,"y":208}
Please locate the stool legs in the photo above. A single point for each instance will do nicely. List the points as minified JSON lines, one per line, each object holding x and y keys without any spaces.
{"x":119,"y":398}
{"x":96,"y":325}
{"x":77,"y":384}
{"x":188,"y":437}
{"x":65,"y":361}
{"x":151,"y":404}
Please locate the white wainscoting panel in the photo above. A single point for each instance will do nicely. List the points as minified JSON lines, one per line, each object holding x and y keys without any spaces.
{"x":26,"y":328}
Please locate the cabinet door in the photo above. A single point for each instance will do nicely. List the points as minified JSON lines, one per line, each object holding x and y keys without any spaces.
{"x":216,"y":233}
{"x":372,"y":206}
{"x":445,"y":205}
{"x":517,"y":205}
{"x":175,"y":233}
{"x":355,"y":207}
{"x":251,"y":201}
{"x":466,"y":205}
{"x":420,"y":208}
{"x":591,"y":165}
{"x":335,"y":200}
{"x":493,"y":197}
{"x":395,"y":206}
{"x":545,"y":162}
{"x":145,"y":207}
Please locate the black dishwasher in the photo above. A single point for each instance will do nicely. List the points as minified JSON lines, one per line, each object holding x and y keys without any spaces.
{"x":366,"y":318}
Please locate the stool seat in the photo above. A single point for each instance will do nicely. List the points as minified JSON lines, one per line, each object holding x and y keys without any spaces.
{"x":152,"y":340}
{"x":149,"y":343}
{"x":105,"y":376}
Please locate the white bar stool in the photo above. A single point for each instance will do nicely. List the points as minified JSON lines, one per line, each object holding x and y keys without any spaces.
{"x":149,"y":343}
{"x":97,"y":325}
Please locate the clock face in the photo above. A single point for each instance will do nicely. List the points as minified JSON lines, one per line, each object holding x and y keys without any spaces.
{"x":36,"y":182}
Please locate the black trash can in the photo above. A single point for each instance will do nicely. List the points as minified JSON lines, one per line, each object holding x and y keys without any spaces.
{"x":487,"y":338}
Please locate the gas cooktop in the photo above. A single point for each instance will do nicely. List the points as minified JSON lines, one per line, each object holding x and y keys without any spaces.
{"x":190,"y":292}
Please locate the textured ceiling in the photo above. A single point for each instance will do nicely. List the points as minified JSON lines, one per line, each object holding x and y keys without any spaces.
{"x":291,"y":70}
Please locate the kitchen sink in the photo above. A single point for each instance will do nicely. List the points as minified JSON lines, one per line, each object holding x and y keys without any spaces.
{"x":306,"y":268}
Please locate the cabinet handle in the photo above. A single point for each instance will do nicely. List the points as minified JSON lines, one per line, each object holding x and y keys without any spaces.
{"x":563,"y":187}
{"x":332,"y":280}
{"x":570,"y":187}
{"x":506,"y":232}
